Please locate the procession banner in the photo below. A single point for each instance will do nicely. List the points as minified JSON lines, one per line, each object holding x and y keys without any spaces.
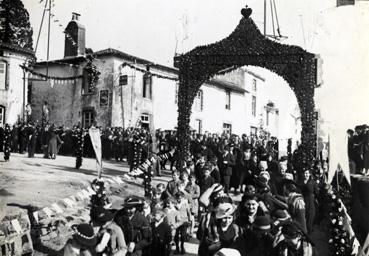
{"x":338,"y":156}
{"x":96,"y":144}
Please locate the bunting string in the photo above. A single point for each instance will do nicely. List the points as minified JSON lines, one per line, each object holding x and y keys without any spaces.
{"x":148,"y":72}
{"x":143,"y":168}
{"x":50,"y":77}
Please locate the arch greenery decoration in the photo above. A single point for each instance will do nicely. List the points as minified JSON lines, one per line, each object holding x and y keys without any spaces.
{"x":247,"y":46}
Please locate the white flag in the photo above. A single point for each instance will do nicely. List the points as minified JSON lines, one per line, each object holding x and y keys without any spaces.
{"x":338,"y":155}
{"x":96,"y":143}
{"x":365,"y":248}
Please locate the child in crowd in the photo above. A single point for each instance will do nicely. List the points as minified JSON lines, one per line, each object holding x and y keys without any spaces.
{"x":171,"y":213}
{"x":172,"y":184}
{"x":206,"y":180}
{"x":194,"y":190}
{"x":184,"y":218}
{"x":156,"y":201}
{"x":161,"y":235}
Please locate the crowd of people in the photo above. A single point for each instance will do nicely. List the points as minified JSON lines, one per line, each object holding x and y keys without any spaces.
{"x":358,"y":149}
{"x":275,"y":216}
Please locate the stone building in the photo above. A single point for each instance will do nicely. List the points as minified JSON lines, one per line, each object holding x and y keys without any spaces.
{"x":132,"y":91}
{"x":13,"y":83}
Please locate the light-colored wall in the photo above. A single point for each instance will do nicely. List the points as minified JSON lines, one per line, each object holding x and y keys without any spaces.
{"x":214,"y":113}
{"x":12,"y":98}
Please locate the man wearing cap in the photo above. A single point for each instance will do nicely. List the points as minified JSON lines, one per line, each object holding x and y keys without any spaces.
{"x":295,"y":242}
{"x":135,"y":226}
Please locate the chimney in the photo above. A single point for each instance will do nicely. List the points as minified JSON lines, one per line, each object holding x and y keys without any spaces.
{"x":75,"y":37}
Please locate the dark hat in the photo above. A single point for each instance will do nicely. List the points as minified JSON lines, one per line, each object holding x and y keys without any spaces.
{"x":101,"y":215}
{"x":291,"y":229}
{"x":84,"y":234}
{"x":261,"y":182}
{"x":132,"y":202}
{"x":281,"y":215}
{"x":261,"y":223}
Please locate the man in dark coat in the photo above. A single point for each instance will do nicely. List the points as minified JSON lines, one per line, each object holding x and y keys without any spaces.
{"x":226,"y":163}
{"x":135,"y":226}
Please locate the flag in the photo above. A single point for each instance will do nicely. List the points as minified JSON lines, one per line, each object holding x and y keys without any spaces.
{"x":338,"y":155}
{"x":96,"y":144}
{"x":347,"y":226}
{"x":364,"y":251}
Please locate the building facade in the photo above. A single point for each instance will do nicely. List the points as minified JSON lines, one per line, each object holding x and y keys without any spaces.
{"x":13,"y":83}
{"x":131,"y":91}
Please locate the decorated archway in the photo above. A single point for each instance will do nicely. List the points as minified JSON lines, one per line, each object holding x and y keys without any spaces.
{"x":247,"y":46}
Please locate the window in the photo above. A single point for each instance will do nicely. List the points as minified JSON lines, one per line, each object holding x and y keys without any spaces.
{"x":123,"y":80}
{"x":198,"y":126}
{"x":145,"y":121}
{"x":198,"y":102}
{"x":227,"y":128}
{"x":3,"y":75}
{"x":228,"y":100}
{"x":253,"y":106}
{"x":253,"y":130}
{"x":254,"y":85}
{"x":2,"y":116}
{"x":87,"y":118}
{"x":104,"y":98}
{"x":86,"y":88}
{"x":146,"y":88}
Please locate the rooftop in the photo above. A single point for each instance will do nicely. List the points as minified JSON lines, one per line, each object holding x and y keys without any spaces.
{"x":15,"y":48}
{"x":119,"y":54}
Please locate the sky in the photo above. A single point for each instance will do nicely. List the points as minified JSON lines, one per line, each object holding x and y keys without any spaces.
{"x":156,"y":29}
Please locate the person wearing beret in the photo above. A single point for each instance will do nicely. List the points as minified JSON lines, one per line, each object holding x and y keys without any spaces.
{"x":82,"y":243}
{"x":295,"y":243}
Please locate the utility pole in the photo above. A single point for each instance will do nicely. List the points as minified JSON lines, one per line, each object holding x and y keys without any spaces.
{"x":48,"y":41}
{"x":265,"y":7}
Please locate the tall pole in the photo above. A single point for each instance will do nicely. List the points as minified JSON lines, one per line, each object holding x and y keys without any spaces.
{"x":265,"y":7}
{"x":24,"y":94}
{"x":48,"y":41}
